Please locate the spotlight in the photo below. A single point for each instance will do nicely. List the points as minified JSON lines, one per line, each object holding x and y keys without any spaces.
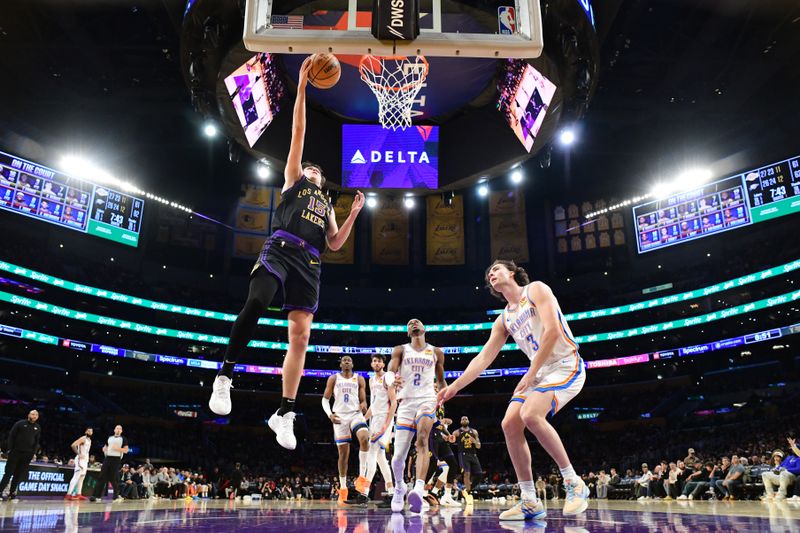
{"x":483,"y":189}
{"x":660,"y":191}
{"x":567,"y":137}
{"x":262,"y":171}
{"x":692,"y":178}
{"x":372,"y":202}
{"x":516,"y":177}
{"x":210,"y":130}
{"x":409,"y":202}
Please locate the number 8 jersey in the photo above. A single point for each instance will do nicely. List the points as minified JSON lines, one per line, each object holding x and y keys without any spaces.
{"x":418,"y":372}
{"x":345,"y":395}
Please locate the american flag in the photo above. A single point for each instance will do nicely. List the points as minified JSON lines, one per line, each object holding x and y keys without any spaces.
{"x":287,"y":22}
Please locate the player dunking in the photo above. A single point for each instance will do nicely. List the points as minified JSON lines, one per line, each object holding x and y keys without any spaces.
{"x":382,"y":407}
{"x":301,"y":226}
{"x":81,"y":447}
{"x":350,"y":403}
{"x":417,"y":364}
{"x":556,"y":375}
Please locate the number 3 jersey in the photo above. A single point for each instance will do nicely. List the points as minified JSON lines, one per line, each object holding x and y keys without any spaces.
{"x":345,"y":395}
{"x":524,"y":323}
{"x":418,"y":372}
{"x":303,"y":212}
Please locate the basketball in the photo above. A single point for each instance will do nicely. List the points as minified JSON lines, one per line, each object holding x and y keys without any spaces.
{"x":325,"y":71}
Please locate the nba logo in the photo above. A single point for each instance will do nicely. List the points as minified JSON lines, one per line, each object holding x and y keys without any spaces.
{"x":507,"y":20}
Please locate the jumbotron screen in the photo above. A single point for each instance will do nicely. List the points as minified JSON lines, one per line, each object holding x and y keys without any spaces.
{"x":39,"y":192}
{"x":377,"y":158}
{"x":754,"y":196}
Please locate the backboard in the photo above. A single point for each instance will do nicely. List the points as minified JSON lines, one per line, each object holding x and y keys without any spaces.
{"x":469,"y":28}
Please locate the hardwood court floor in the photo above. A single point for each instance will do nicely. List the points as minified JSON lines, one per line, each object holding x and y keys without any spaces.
{"x":33,"y":514}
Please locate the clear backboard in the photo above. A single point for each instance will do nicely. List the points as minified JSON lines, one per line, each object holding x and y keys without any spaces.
{"x":487,"y":29}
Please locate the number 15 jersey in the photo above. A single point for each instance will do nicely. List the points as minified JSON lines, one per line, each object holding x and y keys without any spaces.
{"x":418,"y":372}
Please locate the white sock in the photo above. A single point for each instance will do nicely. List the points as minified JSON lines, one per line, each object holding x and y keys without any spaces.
{"x":383,"y":464}
{"x":568,"y":473}
{"x":443,"y":475}
{"x":362,"y":463}
{"x":343,"y":482}
{"x":402,"y":444}
{"x":372,"y":461}
{"x":528,"y":490}
{"x":419,"y":485}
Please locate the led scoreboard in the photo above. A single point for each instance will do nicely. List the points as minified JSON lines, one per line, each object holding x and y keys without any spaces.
{"x":774,"y":190}
{"x":38,"y":192}
{"x":741,"y":200}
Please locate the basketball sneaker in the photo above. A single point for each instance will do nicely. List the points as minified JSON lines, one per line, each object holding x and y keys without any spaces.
{"x":415,"y":501}
{"x":220,"y":401}
{"x":283,"y":426}
{"x":398,"y":500}
{"x":70,"y":497}
{"x":577,"y":496}
{"x":468,"y":499}
{"x":360,"y":500}
{"x":448,"y":501}
{"x":342,"y":497}
{"x":362,"y":485}
{"x":525,"y":510}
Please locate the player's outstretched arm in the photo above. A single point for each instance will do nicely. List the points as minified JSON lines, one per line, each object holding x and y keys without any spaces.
{"x":337,"y":236}
{"x":294,"y":163}
{"x":479,"y":363}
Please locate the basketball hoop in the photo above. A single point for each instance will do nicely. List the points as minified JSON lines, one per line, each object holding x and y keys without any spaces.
{"x":395,"y":81}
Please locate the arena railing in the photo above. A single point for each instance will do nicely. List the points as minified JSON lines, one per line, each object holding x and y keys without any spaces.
{"x":44,"y":307}
{"x":384,"y":328}
{"x":613,"y":362}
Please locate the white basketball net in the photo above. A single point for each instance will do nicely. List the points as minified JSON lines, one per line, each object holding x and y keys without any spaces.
{"x":395,"y":81}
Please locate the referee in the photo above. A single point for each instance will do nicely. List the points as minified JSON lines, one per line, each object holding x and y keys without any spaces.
{"x":23,"y":443}
{"x":115,"y":448}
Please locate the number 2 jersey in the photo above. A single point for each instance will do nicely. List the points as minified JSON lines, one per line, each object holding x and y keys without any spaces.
{"x":524,"y":323}
{"x":345,"y":395}
{"x":418,"y":372}
{"x":303,"y":212}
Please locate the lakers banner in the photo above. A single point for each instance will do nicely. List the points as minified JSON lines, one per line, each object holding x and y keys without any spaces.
{"x":445,"y":231}
{"x":345,"y":254}
{"x":247,"y":244}
{"x":259,"y":196}
{"x":254,"y":220}
{"x":390,"y":233}
{"x":508,"y":231}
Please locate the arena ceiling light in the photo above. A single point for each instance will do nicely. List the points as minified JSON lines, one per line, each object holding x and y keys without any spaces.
{"x":372,"y":201}
{"x":409,"y":202}
{"x":262,"y":170}
{"x":516,"y":177}
{"x":567,"y":137}
{"x":483,"y":190}
{"x":210,"y":129}
{"x":85,"y":170}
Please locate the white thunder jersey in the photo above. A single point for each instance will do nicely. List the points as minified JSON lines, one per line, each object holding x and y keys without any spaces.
{"x":378,"y":396}
{"x":418,"y":372}
{"x":523,"y":323}
{"x":345,"y":395}
{"x":83,"y":451}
